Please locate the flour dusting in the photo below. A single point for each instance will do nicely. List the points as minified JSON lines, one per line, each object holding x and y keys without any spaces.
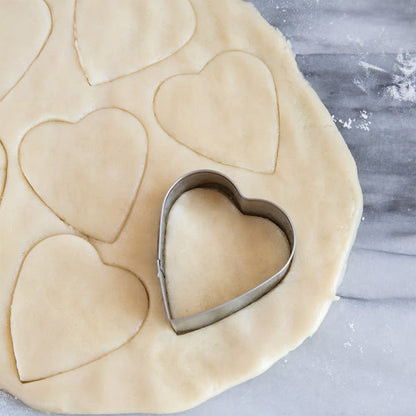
{"x":362,"y":122}
{"x":368,"y":66}
{"x":404,"y":78}
{"x":397,"y":82}
{"x":360,"y":83}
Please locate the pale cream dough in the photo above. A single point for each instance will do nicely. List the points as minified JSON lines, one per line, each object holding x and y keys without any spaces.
{"x":242,"y":119}
{"x":27,"y":25}
{"x":97,"y":164}
{"x":214,"y":253}
{"x":116,"y":38}
{"x":315,"y":181}
{"x":91,"y":308}
{"x":3,"y":169}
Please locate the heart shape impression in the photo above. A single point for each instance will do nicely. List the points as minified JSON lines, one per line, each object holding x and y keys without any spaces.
{"x":69,"y":308}
{"x":24,"y":29}
{"x":115,"y":38}
{"x":230,"y":108}
{"x":3,"y":169}
{"x":218,"y":251}
{"x":88,"y":173}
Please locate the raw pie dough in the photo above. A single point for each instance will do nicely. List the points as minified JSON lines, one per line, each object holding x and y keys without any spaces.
{"x":205,"y":223}
{"x":215,"y":122}
{"x":97,"y":121}
{"x":3,"y":169}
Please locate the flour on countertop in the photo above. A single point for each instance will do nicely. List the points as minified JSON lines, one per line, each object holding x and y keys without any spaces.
{"x":10,"y":405}
{"x":368,"y":66}
{"x":404,"y":78}
{"x":397,"y":83}
{"x":362,"y":122}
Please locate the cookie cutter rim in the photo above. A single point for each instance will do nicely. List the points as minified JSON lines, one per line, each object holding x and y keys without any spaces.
{"x":247,"y":206}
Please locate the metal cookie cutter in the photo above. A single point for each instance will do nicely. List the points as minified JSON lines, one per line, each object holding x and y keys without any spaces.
{"x":254,"y":207}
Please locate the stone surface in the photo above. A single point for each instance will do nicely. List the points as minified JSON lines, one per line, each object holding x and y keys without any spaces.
{"x":361,"y":59}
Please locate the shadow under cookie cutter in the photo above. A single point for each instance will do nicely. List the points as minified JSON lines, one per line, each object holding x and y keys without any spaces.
{"x":253,"y":207}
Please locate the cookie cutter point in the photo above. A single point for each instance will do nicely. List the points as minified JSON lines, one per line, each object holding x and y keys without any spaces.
{"x":253,"y":207}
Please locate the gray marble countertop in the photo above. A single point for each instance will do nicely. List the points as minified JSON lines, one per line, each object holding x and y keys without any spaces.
{"x":360,"y":57}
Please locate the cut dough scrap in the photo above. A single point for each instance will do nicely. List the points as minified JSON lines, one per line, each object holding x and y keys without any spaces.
{"x":24,"y":28}
{"x":118,"y":37}
{"x":69,"y":308}
{"x":214,"y":253}
{"x":3,"y":169}
{"x":88,"y":172}
{"x":230,"y":108}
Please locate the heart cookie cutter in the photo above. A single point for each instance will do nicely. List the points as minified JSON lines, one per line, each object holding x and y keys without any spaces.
{"x":253,"y":207}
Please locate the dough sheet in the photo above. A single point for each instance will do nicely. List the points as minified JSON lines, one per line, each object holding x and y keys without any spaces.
{"x":103,"y":105}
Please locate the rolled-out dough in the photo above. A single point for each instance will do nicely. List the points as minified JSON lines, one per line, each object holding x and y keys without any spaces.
{"x":214,"y":253}
{"x":3,"y":169}
{"x":308,"y":171}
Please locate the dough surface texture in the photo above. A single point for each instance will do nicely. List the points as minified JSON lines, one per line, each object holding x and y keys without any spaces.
{"x":242,"y":119}
{"x":205,"y":238}
{"x":117,"y":38}
{"x":94,"y":129}
{"x":96,"y":163}
{"x":27,"y":24}
{"x":3,"y":169}
{"x":90,"y":309}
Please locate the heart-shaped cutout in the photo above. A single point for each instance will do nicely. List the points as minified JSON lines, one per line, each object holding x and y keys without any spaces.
{"x":25,"y":27}
{"x":3,"y":169}
{"x":115,"y":38}
{"x":69,"y":308}
{"x":88,"y":172}
{"x":230,"y":108}
{"x":218,"y":251}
